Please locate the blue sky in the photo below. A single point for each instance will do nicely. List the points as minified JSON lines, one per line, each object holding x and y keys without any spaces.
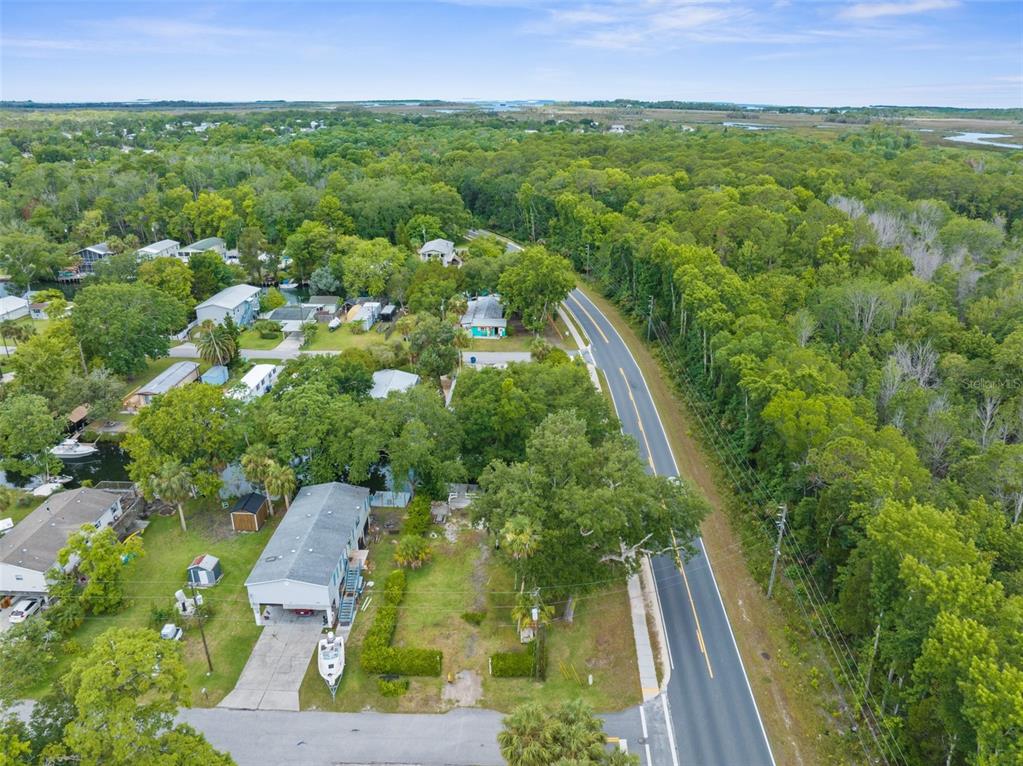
{"x":943,"y":52}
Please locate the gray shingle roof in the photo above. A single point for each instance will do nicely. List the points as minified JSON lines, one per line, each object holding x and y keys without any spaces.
{"x":35,"y":540}
{"x":312,"y":536}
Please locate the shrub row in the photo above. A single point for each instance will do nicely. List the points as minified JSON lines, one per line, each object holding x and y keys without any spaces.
{"x":392,"y":688}
{"x":514,"y":664}
{"x":378,"y":656}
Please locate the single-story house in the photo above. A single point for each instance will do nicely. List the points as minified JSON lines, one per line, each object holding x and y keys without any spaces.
{"x":38,"y":310}
{"x":256,"y":382}
{"x":386,"y":381}
{"x":218,"y":245}
{"x":240,"y":302}
{"x":484,"y":317}
{"x":178,"y":374}
{"x":367,"y":313}
{"x":249,"y":512}
{"x":165,"y":248}
{"x":13,"y":307}
{"x":305,"y":561}
{"x":498,"y":359}
{"x":216,"y":375}
{"x":442,"y":250}
{"x":205,"y":571}
{"x":293,"y":317}
{"x":88,"y":256}
{"x":325,"y":305}
{"x":29,"y":551}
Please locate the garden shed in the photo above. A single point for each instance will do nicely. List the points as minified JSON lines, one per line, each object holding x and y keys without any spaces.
{"x":205,"y":571}
{"x":249,"y":512}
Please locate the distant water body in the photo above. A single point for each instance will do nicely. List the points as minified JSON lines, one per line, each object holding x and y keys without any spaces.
{"x":983,"y":139}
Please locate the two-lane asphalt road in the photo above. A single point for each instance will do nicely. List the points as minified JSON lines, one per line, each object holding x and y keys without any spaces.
{"x":711,"y":711}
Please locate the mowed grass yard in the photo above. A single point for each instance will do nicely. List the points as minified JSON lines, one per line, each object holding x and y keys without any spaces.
{"x":152,"y":580}
{"x":519,"y":338}
{"x":252,"y":339}
{"x":343,"y":338}
{"x":462,"y":577}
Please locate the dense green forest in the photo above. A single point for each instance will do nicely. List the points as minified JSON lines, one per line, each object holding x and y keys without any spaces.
{"x":851,"y":311}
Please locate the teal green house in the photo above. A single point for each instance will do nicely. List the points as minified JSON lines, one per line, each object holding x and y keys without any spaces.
{"x":484,"y":317}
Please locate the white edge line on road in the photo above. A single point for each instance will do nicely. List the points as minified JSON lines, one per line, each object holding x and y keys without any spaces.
{"x":670,"y":728}
{"x":646,"y":737}
{"x":713,"y":577}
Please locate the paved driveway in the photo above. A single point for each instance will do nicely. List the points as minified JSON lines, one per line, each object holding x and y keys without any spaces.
{"x":273,"y":674}
{"x":462,"y":737}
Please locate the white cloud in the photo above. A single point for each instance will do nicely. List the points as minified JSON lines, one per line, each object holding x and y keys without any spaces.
{"x":868,"y":11}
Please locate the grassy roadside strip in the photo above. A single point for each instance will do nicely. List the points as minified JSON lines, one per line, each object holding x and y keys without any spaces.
{"x":783,"y":664}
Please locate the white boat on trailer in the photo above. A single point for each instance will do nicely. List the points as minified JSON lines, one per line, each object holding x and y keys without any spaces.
{"x":70,"y":449}
{"x":330,"y":660}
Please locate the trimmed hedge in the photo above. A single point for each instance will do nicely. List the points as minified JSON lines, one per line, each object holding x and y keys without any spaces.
{"x":378,"y":656}
{"x":514,"y":664}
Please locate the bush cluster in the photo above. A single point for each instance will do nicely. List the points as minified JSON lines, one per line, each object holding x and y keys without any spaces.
{"x":514,"y":664}
{"x":378,"y":656}
{"x":419,"y":518}
{"x":474,"y":618}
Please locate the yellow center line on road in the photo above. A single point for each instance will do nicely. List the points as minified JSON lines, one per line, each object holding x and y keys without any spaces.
{"x":589,"y":316}
{"x":639,"y":421}
{"x":692,"y":604}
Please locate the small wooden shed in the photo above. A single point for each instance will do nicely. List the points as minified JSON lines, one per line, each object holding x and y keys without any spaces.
{"x":249,"y":512}
{"x":205,"y":571}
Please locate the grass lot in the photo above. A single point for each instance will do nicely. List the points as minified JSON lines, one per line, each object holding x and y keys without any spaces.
{"x":343,"y":338}
{"x":231,"y":632}
{"x":519,"y":338}
{"x":462,"y":577}
{"x":780,"y":658}
{"x":23,"y":504}
{"x":251,"y":339}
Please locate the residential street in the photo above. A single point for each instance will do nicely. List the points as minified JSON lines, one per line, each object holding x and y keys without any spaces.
{"x":713,"y":718}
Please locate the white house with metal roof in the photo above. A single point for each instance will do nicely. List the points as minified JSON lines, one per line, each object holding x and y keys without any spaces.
{"x":240,"y":302}
{"x":216,"y":244}
{"x":256,"y":382}
{"x":29,"y":551}
{"x":165,"y":248}
{"x":178,"y":374}
{"x":13,"y":307}
{"x":305,"y":562}
{"x":386,"y":381}
{"x":442,"y":250}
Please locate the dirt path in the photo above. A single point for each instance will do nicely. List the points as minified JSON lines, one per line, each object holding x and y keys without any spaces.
{"x":793,"y":720}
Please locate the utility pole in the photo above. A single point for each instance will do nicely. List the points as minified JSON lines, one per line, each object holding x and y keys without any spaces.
{"x":784,"y":510}
{"x":198,"y":618}
{"x":650,"y":318}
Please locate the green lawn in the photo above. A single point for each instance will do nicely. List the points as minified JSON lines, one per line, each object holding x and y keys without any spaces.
{"x":231,"y":632}
{"x":464,"y":576}
{"x":251,"y":339}
{"x":343,"y":338}
{"x":23,"y":503}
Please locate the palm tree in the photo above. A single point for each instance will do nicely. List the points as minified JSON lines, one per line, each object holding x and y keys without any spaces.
{"x":172,"y":483}
{"x":537,"y":735}
{"x":216,"y":343}
{"x":18,"y":332}
{"x":280,"y":480}
{"x":520,"y":537}
{"x":256,"y":465}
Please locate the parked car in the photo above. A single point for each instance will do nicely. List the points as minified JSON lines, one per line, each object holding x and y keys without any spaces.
{"x":25,"y":609}
{"x":171,"y":632}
